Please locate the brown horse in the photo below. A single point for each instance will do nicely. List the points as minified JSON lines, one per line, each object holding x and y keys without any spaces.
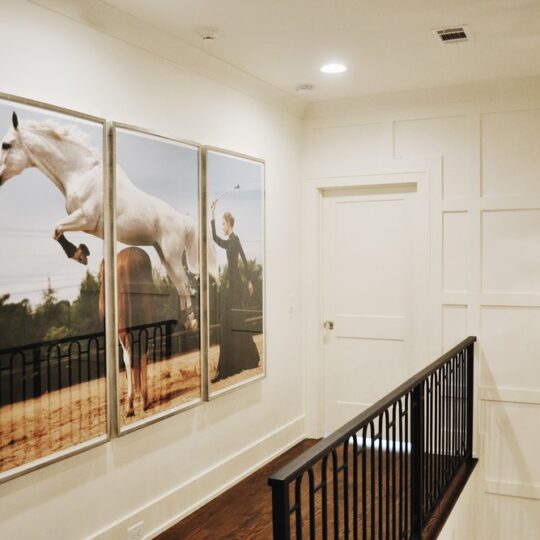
{"x":136,"y":293}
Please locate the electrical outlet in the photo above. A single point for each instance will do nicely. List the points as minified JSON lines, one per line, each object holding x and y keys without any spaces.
{"x":135,"y":532}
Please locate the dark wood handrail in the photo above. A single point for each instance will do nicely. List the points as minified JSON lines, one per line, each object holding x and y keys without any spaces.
{"x":323,"y":447}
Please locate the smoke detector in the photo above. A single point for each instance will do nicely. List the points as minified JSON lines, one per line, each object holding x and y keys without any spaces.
{"x":454,"y":34}
{"x":208,"y":34}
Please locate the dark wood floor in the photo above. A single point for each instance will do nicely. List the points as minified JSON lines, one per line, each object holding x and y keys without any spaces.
{"x":242,"y":512}
{"x":245,"y":510}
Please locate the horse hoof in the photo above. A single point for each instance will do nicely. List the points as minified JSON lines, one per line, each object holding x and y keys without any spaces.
{"x":131,"y":412}
{"x":81,"y":255}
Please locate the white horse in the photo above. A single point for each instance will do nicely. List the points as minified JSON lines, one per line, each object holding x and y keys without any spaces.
{"x":64,"y":156}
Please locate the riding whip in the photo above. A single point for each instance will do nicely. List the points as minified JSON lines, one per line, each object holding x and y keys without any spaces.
{"x":225,"y":192}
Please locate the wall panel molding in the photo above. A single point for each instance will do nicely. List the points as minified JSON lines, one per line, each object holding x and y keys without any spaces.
{"x":510,"y":489}
{"x":509,"y":395}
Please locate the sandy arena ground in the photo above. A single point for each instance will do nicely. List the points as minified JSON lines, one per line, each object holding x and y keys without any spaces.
{"x":38,"y":427}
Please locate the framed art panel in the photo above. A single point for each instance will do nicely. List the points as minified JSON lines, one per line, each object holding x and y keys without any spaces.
{"x":235,"y":248}
{"x":157,"y":181}
{"x":53,"y":348}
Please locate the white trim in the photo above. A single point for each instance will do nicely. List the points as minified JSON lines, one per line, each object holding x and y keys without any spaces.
{"x":129,"y":29}
{"x":506,"y":95}
{"x":171,"y":507}
{"x":388,"y":173}
{"x":49,"y":459}
{"x":509,"y":395}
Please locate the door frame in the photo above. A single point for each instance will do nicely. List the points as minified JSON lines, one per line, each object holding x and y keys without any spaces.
{"x":427,"y":176}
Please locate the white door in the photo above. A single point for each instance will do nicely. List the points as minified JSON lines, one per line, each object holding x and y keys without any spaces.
{"x":369,"y":249}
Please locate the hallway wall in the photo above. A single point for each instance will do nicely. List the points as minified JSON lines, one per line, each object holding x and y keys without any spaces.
{"x":481,"y":147}
{"x":159,"y":473}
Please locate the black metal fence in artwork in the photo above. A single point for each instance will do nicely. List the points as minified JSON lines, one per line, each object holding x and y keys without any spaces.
{"x":384,"y":474}
{"x":32,"y":370}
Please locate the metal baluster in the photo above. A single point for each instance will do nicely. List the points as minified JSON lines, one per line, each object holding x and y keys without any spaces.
{"x":463,"y":404}
{"x":392,"y":477}
{"x":355,"y":515}
{"x":372,"y":479}
{"x":298,"y":506}
{"x":454,"y":409}
{"x":387,"y":471}
{"x":406,"y":482}
{"x":427,"y":453}
{"x":446,"y":424}
{"x":324,"y":483}
{"x":401,"y":469}
{"x":346,"y":488}
{"x":437,"y":427}
{"x":311,"y":479}
{"x":417,"y":466}
{"x":380,"y":460}
{"x":458,"y":412}
{"x":364,"y":484}
{"x":335,"y":492}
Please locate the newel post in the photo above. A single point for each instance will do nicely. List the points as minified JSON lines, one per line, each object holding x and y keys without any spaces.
{"x":280,"y":509}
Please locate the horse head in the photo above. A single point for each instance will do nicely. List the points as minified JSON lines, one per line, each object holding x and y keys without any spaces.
{"x":13,"y":156}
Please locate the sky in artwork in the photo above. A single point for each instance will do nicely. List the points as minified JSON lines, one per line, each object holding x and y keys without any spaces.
{"x":245,"y":204}
{"x":30,"y":206}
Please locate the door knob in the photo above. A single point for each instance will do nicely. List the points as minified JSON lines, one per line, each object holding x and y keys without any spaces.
{"x":328,"y":325}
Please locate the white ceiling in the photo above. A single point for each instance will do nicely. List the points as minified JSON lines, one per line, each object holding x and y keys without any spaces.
{"x":387,"y":45}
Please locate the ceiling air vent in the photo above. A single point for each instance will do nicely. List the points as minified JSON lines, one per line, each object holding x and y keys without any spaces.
{"x":455,"y":34}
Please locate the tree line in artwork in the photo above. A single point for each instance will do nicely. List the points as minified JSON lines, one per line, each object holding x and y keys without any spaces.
{"x":23,"y":323}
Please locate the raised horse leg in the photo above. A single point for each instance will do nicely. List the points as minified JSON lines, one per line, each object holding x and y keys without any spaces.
{"x":79,"y":254}
{"x":76,"y":221}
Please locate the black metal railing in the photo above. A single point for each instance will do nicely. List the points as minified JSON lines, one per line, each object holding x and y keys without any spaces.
{"x":30,"y":371}
{"x":383,"y":474}
{"x":157,"y":340}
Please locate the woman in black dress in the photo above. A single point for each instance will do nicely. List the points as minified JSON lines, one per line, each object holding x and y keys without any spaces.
{"x":237,"y":350}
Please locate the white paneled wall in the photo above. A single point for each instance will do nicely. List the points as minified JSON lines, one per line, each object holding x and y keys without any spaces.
{"x":485,"y":241}
{"x":437,"y":137}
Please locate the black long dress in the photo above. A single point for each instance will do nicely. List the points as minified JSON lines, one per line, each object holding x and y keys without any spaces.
{"x":237,"y":350}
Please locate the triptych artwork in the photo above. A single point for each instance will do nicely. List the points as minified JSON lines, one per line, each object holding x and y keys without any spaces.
{"x":132,"y":279}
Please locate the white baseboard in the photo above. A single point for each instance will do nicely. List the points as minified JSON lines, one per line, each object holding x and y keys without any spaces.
{"x":173,"y":506}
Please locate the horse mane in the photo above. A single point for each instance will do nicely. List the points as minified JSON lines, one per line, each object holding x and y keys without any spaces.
{"x":64,"y":133}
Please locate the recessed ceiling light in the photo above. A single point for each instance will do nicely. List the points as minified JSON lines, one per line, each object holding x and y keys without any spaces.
{"x":334,"y":68}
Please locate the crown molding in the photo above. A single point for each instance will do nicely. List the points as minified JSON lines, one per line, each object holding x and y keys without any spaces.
{"x":499,"y":93}
{"x":101,"y":17}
